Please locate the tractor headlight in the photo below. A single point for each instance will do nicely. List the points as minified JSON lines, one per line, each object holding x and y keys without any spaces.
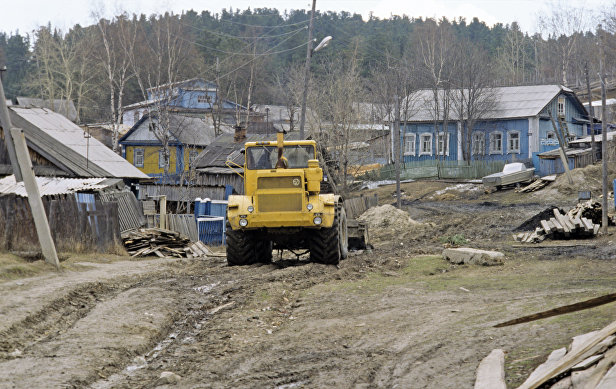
{"x":243,"y":222}
{"x":251,"y":209}
{"x":317,"y":220}
{"x":309,"y":207}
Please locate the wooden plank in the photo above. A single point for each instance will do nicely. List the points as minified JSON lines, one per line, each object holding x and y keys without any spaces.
{"x":546,"y":227}
{"x":588,"y":362}
{"x":570,"y":359}
{"x":590,"y":303}
{"x":609,"y":379}
{"x":557,"y":225}
{"x":552,"y":360}
{"x":491,"y":371}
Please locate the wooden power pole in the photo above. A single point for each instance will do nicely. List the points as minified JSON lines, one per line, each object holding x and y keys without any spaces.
{"x":22,"y":169}
{"x":604,"y":155}
{"x":302,"y":115}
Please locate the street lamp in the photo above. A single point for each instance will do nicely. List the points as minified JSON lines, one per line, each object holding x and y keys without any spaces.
{"x":321,"y":45}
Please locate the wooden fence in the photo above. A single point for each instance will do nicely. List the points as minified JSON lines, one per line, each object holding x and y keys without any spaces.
{"x":75,"y":226}
{"x":358,"y":205}
{"x":185,"y":224}
{"x":438,"y":169}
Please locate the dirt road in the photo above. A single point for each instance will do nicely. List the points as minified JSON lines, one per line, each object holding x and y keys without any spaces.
{"x":398,"y":316}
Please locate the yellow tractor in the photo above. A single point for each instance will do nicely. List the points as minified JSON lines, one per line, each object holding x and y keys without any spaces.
{"x":282,"y":206}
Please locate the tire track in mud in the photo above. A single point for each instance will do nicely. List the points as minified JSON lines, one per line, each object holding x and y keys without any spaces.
{"x":62,"y":313}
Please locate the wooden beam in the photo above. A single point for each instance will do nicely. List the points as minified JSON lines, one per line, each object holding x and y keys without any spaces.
{"x":591,"y":303}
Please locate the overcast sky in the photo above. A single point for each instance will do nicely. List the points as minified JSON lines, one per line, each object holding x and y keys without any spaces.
{"x":27,"y":15}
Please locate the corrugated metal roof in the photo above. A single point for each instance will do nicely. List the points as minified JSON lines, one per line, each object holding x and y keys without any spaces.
{"x":510,"y":102}
{"x":63,"y":143}
{"x":598,"y":138}
{"x":52,"y":185}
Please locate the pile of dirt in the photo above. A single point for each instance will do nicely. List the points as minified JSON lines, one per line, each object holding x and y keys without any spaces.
{"x":387,"y":222}
{"x":587,"y":178}
{"x":535,"y":221}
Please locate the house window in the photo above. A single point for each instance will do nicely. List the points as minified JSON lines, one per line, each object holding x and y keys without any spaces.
{"x":425,"y":144}
{"x":496,"y":142}
{"x":161,"y":159}
{"x":136,"y":116}
{"x":561,"y":106}
{"x":479,"y":143}
{"x":138,"y":157}
{"x":442,"y":144}
{"x":203,"y":99}
{"x":409,"y":144}
{"x":513,"y":142}
{"x":192,"y":157}
{"x":551,"y":135}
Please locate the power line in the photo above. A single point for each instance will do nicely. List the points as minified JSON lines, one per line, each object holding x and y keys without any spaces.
{"x":241,"y":37}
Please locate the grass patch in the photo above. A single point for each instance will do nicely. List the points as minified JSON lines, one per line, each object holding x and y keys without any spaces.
{"x":454,"y":240}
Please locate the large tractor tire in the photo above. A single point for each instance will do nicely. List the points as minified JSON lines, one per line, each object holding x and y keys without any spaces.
{"x":326,"y":243}
{"x":241,"y":247}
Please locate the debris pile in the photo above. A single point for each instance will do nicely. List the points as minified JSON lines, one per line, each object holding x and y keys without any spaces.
{"x":163,"y":243}
{"x":581,"y":221}
{"x":538,"y":184}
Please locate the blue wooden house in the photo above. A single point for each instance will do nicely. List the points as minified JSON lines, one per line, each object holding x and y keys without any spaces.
{"x":517,"y":127}
{"x":189,"y":97}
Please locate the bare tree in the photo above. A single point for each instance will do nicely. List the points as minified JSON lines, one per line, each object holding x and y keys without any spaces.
{"x":474,"y":97}
{"x":564,"y":25}
{"x":512,"y":59}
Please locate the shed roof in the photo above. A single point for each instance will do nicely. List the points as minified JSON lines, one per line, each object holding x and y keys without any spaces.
{"x":53,"y":185}
{"x":63,"y":143}
{"x":217,"y":153}
{"x":61,"y":106}
{"x":509,"y":102}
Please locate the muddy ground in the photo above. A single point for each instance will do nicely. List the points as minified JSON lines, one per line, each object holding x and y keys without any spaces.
{"x":398,"y":316}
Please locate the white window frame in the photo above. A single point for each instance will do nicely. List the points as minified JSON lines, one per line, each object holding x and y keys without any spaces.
{"x":410,"y":143}
{"x":482,"y":141}
{"x":421,"y":143}
{"x":511,"y":150}
{"x":161,"y":159}
{"x":561,"y":106}
{"x":202,"y":98}
{"x":492,"y":136}
{"x":138,"y":151}
{"x":446,"y":137}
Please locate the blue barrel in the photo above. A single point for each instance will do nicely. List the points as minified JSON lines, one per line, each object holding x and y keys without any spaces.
{"x":218,"y":208}
{"x":197,"y":207}
{"x":205,"y":207}
{"x":211,"y":230}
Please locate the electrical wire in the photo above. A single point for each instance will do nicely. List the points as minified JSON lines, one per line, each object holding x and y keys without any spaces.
{"x":241,"y":37}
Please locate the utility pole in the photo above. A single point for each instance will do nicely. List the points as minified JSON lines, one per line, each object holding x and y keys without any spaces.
{"x":604,"y":155}
{"x":591,"y":111}
{"x":302,"y":117}
{"x":397,"y":139}
{"x":22,"y":169}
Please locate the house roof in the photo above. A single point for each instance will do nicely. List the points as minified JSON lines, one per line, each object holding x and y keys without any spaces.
{"x":193,"y":83}
{"x":510,"y":102}
{"x":61,"y":106}
{"x":63,"y":143}
{"x":217,"y":153}
{"x":188,"y":130}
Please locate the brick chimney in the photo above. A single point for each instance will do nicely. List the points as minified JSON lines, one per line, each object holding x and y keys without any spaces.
{"x":240,"y":134}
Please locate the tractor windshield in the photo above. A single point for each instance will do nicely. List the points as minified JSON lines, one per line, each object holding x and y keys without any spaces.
{"x":265,"y":157}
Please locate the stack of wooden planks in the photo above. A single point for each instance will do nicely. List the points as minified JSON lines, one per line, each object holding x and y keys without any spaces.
{"x":538,"y":184}
{"x":571,"y":225}
{"x":163,"y":243}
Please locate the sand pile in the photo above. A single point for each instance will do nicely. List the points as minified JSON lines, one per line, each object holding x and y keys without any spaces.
{"x":386,"y":222}
{"x":588,"y":178}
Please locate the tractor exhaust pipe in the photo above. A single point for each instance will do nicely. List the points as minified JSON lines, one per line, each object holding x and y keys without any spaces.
{"x":282,"y":162}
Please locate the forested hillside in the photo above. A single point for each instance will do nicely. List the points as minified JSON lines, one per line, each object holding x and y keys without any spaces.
{"x":257,"y":55}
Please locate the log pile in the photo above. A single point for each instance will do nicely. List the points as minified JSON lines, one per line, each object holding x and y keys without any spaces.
{"x":163,"y":243}
{"x":582,"y":221}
